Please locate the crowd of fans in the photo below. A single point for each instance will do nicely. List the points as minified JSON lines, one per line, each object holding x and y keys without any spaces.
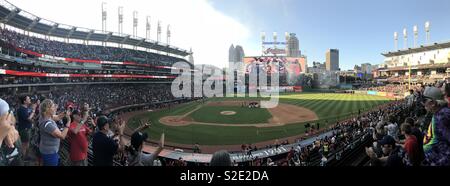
{"x":12,"y":79}
{"x":52,"y":69}
{"x":409,"y":132}
{"x":81,"y":51}
{"x":417,"y":78}
{"x":15,"y":80}
{"x":45,"y":119}
{"x":100,"y":97}
{"x":344,"y":134}
{"x":425,"y":131}
{"x":390,"y":88}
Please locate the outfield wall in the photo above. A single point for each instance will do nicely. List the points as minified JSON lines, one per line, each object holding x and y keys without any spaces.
{"x":383,"y":94}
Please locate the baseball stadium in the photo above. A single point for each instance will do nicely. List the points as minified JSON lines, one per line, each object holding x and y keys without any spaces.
{"x":74,"y":96}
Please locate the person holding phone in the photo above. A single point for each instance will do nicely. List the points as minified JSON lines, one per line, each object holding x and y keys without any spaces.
{"x":105,"y":147}
{"x":136,"y":157}
{"x":78,"y":139}
{"x":51,"y":135}
{"x":25,"y":116}
{"x":8,"y":134}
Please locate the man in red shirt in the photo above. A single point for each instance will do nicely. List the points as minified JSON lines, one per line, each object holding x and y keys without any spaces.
{"x":78,"y":139}
{"x":411,"y":146}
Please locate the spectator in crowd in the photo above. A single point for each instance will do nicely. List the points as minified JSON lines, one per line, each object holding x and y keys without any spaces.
{"x":50,"y":134}
{"x":5,"y":126}
{"x":393,"y":155}
{"x":419,"y":136}
{"x":392,"y":128}
{"x":411,"y":146}
{"x":437,"y":139}
{"x":290,"y":154}
{"x":410,"y":98}
{"x":135,"y":155}
{"x":105,"y":147}
{"x":9,"y":138}
{"x":8,"y":133}
{"x":221,"y":158}
{"x":323,"y":161}
{"x":25,"y":115}
{"x":78,"y":139}
{"x":447,"y":93}
{"x":196,"y":148}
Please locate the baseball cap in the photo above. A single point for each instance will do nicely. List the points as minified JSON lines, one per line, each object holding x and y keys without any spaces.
{"x":138,"y":138}
{"x":4,"y":107}
{"x":433,"y":93}
{"x":387,"y":140}
{"x":102,"y":121}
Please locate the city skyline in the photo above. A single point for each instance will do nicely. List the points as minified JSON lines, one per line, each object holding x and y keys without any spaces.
{"x":361,"y":30}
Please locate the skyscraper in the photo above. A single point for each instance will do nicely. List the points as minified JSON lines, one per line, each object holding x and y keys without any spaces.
{"x":332,"y":63}
{"x":231,"y":53}
{"x":366,"y":68}
{"x":236,"y":54}
{"x":239,"y":54}
{"x":292,"y":49}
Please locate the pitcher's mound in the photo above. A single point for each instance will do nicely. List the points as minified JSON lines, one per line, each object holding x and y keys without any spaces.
{"x":228,"y":113}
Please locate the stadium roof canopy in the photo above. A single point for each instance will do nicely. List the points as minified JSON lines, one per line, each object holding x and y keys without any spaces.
{"x":14,"y":16}
{"x":422,"y":48}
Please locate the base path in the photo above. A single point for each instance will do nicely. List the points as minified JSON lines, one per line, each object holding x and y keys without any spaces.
{"x":281,"y":115}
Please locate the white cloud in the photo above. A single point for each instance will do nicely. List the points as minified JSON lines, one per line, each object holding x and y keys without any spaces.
{"x":194,"y":23}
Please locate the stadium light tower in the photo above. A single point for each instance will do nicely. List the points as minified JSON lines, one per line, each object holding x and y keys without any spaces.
{"x":405,"y":38}
{"x":168,"y":37}
{"x":104,"y":15}
{"x":286,"y":36}
{"x":168,"y":34}
{"x":158,"y":38}
{"x":147,"y":28}
{"x":135,"y":25}
{"x":416,"y":34}
{"x":120,"y":13}
{"x":396,"y":40}
{"x":275,"y":36}
{"x":263,"y":39}
{"x":427,"y":30}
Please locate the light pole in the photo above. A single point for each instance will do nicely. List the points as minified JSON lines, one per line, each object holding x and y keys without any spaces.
{"x":427,"y":30}
{"x":416,"y":34}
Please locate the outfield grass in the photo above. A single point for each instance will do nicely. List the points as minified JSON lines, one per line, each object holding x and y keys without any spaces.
{"x":244,"y":115}
{"x":328,"y":107}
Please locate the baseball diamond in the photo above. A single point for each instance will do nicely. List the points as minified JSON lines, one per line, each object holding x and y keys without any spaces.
{"x":203,"y":123}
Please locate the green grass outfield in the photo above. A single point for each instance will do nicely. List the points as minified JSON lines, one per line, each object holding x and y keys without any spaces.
{"x":328,"y":107}
{"x":244,"y":115}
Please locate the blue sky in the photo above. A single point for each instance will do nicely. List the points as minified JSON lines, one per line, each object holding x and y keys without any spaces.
{"x":360,"y":29}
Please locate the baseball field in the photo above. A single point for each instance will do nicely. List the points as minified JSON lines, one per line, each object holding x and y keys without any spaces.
{"x":229,"y":121}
